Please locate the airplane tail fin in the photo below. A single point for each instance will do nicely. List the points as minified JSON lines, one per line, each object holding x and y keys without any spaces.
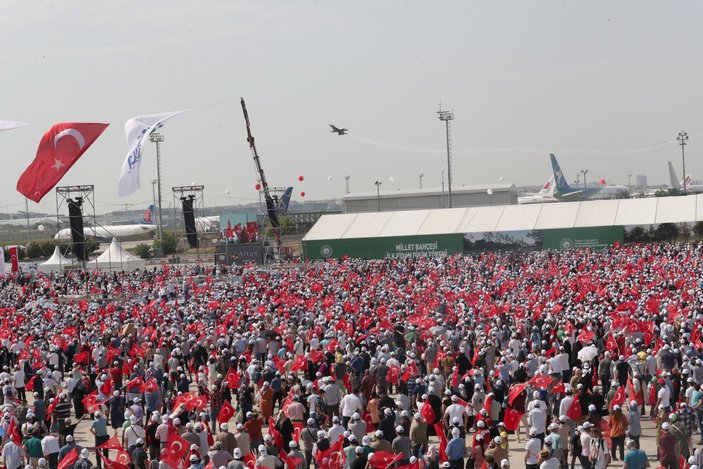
{"x":559,"y":179}
{"x":284,"y":201}
{"x":673,"y":179}
{"x":148,"y":218}
{"x":548,"y":187}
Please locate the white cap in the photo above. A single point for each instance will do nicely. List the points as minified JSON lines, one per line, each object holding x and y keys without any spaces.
{"x":85,"y":454}
{"x":505,"y":463}
{"x":42,"y":461}
{"x":399,"y":429}
{"x":237,"y":453}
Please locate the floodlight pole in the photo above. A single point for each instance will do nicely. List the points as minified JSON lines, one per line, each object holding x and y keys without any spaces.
{"x":378,"y":194}
{"x":682,"y":138}
{"x":158,"y":138}
{"x":447,"y":117}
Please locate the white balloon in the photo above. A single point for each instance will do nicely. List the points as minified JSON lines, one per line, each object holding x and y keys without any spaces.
{"x":391,"y":179}
{"x":501,"y":178}
{"x":40,"y":227}
{"x":329,"y":178}
{"x":227,"y":192}
{"x":489,"y":192}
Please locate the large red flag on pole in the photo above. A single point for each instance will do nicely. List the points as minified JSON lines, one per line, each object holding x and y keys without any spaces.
{"x":58,"y":150}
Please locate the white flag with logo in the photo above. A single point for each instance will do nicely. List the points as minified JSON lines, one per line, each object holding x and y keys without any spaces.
{"x":138,"y":130}
{"x":9,"y":125}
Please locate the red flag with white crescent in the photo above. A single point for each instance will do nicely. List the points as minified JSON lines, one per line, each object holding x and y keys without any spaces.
{"x":59,"y":149}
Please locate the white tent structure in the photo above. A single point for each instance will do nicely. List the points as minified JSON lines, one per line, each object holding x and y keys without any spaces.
{"x":115,"y":258}
{"x":55,"y":263}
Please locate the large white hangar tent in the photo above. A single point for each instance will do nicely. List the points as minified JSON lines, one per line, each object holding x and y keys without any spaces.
{"x":416,"y":233}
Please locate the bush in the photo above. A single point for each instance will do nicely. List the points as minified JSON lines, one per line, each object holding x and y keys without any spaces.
{"x":143,"y":250}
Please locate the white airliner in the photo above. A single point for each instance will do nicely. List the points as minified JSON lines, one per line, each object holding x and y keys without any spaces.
{"x":675,"y":184}
{"x":544,"y":196}
{"x":146,"y":225}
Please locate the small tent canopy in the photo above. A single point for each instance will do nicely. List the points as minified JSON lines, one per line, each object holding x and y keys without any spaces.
{"x":115,"y":258}
{"x":55,"y":263}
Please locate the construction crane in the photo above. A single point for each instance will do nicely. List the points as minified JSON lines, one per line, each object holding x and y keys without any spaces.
{"x":271,"y":203}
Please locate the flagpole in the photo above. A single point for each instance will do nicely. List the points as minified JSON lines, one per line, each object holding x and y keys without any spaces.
{"x":26,"y":211}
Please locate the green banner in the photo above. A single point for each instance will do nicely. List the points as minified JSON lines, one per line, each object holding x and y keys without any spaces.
{"x":395,"y":247}
{"x":599,"y":237}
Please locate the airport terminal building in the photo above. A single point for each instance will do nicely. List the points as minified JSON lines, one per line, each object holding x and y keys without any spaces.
{"x":593,"y":224}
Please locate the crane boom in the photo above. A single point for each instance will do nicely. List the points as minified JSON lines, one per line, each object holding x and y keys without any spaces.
{"x":270,"y":203}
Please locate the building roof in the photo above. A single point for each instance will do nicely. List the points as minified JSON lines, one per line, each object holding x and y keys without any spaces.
{"x":624,"y":212}
{"x":430,"y":191}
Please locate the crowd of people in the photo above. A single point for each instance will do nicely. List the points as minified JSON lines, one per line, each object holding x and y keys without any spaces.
{"x":417,"y":364}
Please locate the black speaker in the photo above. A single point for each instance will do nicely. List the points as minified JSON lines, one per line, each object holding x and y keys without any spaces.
{"x":189,"y":220}
{"x":75,"y":218}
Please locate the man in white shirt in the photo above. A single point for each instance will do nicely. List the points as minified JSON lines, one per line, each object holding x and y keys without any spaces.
{"x":532,"y":448}
{"x":537,"y":419}
{"x":19,"y":383}
{"x":350,"y":405}
{"x":455,"y":410}
{"x":50,"y":447}
{"x":663,"y":396}
{"x":12,"y":454}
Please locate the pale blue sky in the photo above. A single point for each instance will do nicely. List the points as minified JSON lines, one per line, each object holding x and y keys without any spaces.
{"x":539,"y":75}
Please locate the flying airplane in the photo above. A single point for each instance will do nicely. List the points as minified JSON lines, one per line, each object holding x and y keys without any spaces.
{"x":675,"y":184}
{"x":565,"y":192}
{"x":544,"y":196}
{"x":338,"y":131}
{"x":146,"y":225}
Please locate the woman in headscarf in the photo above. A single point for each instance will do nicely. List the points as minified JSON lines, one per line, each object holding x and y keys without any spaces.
{"x":265,"y":399}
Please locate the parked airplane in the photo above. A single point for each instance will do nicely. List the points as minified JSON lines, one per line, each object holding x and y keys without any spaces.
{"x":676,"y":184}
{"x":544,"y":196}
{"x":565,"y":192}
{"x":146,"y":225}
{"x":338,"y":131}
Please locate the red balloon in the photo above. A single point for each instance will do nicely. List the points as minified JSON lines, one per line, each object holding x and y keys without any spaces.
{"x":301,"y":178}
{"x":302,"y":194}
{"x":257,"y":187}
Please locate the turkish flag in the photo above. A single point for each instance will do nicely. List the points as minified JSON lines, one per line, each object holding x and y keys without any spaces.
{"x":574,"y":409}
{"x":111,"y":464}
{"x":455,"y":377}
{"x":69,"y":459}
{"x":291,"y":462}
{"x":299,"y":363}
{"x":618,"y":398}
{"x":250,"y":460}
{"x":176,"y":448}
{"x":123,"y":457}
{"x":439,"y":430}
{"x":541,"y":381}
{"x":611,"y":345}
{"x":393,"y":374}
{"x":383,"y":459}
{"x":112,"y":443}
{"x":58,"y":150}
{"x":428,"y":413}
{"x":316,"y":355}
{"x":232,"y":378}
{"x":30,"y":384}
{"x":275,"y":434}
{"x":226,"y":412}
{"x":515,"y":391}
{"x":82,"y":358}
{"x":511,"y":419}
{"x":14,"y":432}
{"x":151,"y":385}
{"x":14,"y":258}
{"x":558,"y":388}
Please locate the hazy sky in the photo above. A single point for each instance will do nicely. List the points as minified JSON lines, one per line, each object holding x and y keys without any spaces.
{"x":595,"y":79}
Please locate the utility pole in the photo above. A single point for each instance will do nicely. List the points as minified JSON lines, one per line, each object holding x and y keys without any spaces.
{"x":346,"y":182}
{"x":585,"y":187}
{"x":158,"y":138}
{"x":447,"y":117}
{"x":682,"y":138}
{"x":421,"y":175}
